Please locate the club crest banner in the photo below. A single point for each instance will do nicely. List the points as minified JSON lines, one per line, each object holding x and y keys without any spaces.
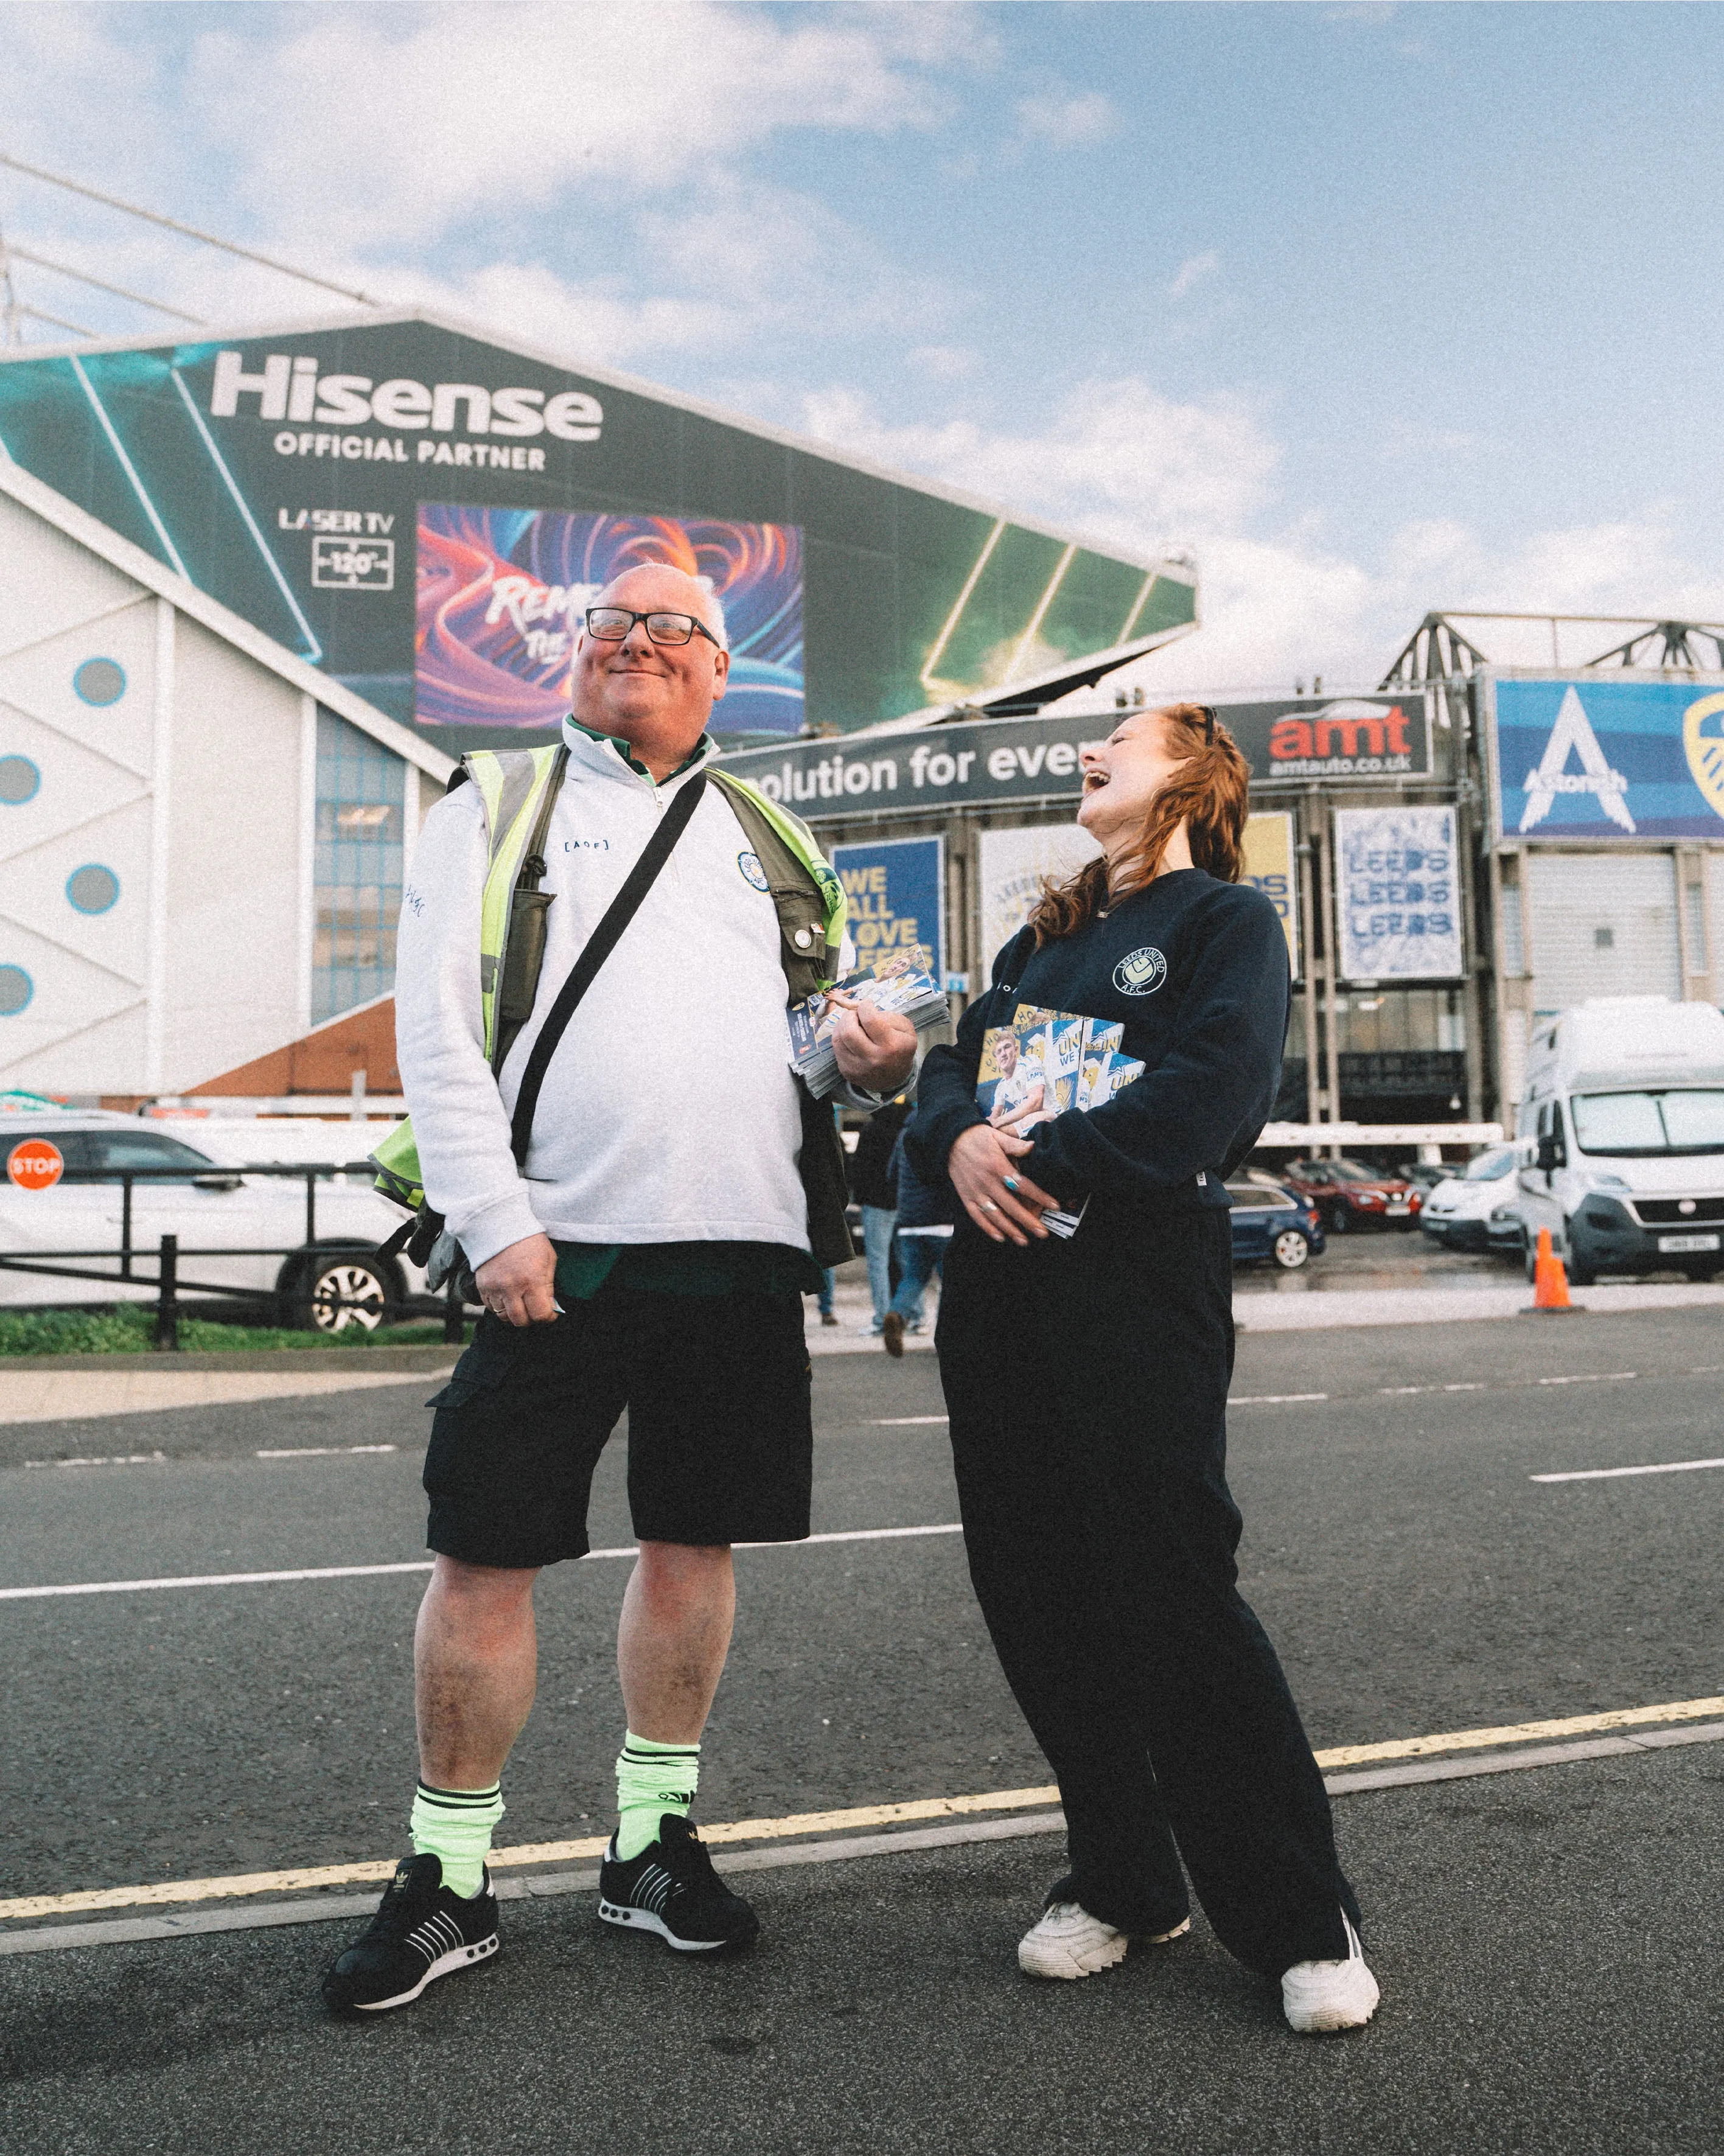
{"x":1595,"y":756}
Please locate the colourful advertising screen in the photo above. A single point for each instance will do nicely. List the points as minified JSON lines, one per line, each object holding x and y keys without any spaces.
{"x":1597,"y":757}
{"x":315,"y":479}
{"x":502,"y":594}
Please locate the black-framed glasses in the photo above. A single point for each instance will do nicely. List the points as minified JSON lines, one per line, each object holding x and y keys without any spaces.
{"x":1207,"y":711}
{"x":611,"y":624}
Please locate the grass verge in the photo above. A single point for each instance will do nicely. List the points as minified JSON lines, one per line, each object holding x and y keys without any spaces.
{"x":128,"y":1329}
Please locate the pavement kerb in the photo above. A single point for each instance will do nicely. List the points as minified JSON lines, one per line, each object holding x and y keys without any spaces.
{"x":1322,"y":1309}
{"x":838,"y":1849}
{"x":435,"y":1356}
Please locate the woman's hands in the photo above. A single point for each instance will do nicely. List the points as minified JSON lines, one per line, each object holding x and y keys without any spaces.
{"x":1007,"y":1207}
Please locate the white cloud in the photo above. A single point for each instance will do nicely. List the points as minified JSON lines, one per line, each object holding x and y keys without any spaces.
{"x":1193,"y":272}
{"x":403,"y":121}
{"x":1069,"y":119}
{"x":1114,"y":455}
{"x":945,"y":362}
{"x":572,"y":172}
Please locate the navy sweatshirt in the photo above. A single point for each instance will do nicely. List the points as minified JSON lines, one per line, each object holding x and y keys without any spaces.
{"x":1196,"y":971}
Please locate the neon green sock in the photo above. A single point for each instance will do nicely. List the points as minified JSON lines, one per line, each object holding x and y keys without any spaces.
{"x":652,"y":1780}
{"x":455,"y":1826}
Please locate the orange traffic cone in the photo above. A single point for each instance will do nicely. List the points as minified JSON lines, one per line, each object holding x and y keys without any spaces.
{"x":1550,"y":1277}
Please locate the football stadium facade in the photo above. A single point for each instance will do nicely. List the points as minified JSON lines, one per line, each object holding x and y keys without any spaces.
{"x":257,"y":591}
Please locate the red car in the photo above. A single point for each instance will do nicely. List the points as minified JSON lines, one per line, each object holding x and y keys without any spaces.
{"x":1350,"y":1196}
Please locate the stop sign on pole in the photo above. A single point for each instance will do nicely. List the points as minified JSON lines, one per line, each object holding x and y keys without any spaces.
{"x":35,"y":1164}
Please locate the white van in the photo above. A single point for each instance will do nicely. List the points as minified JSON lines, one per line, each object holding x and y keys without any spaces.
{"x":1622,"y":1137}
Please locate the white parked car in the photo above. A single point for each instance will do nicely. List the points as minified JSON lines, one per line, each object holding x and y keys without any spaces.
{"x":61,"y":1193}
{"x":1457,"y":1210}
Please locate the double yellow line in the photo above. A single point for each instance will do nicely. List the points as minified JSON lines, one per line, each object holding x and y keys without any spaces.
{"x":797,"y":1824}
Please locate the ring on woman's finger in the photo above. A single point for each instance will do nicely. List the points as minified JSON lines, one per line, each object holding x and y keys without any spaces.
{"x":1010,"y":1182}
{"x":988,"y":1206}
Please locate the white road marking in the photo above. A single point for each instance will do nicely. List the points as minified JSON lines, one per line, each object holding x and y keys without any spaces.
{"x":905,"y":1422}
{"x":107,"y":1460}
{"x":1609,"y":1474}
{"x":1271,"y":1399}
{"x":1591,"y":1377}
{"x":211,"y":1579}
{"x":420,"y":1564}
{"x":318,"y":1452}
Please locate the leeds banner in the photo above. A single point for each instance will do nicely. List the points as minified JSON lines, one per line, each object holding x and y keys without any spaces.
{"x":1013,"y":865}
{"x":1603,"y":757}
{"x":894,"y":888}
{"x":1269,"y":865}
{"x":1015,"y":862}
{"x":1396,"y":896}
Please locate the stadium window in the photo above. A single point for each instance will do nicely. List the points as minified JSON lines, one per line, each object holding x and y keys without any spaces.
{"x":361,"y":800}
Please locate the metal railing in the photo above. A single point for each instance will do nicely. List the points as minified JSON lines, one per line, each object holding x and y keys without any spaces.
{"x":168,"y":1254}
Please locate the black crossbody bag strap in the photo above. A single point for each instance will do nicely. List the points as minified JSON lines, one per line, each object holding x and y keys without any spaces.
{"x":599,"y":946}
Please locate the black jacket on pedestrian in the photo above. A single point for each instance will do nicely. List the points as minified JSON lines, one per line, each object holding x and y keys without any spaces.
{"x":870,"y":1164}
{"x":1196,"y":972}
{"x":920,"y":1204}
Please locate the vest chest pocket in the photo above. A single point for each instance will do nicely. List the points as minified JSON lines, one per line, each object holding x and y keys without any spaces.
{"x":524,"y":958}
{"x":801,"y":931}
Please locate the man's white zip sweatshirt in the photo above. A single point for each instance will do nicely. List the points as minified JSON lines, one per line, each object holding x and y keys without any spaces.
{"x":668,"y":1113}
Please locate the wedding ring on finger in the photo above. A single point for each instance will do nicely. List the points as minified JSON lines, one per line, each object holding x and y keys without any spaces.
{"x":988,"y":1206}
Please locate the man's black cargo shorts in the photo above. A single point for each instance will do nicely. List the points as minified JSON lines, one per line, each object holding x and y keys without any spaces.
{"x":720,"y":1435}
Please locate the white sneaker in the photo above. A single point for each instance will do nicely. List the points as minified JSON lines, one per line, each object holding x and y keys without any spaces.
{"x":1068,"y":1942}
{"x":1316,"y":1996}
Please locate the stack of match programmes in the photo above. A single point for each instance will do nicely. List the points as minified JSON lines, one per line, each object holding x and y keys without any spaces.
{"x":900,"y":981}
{"x":1044,"y":1064}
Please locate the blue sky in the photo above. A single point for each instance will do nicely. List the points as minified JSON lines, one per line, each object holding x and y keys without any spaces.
{"x":1373,"y":308}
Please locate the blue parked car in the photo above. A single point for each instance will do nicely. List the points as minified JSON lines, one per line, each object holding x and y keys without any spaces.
{"x":1273,"y":1223}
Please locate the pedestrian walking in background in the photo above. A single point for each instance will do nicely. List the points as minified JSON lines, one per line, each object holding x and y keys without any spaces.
{"x":871,"y":1187}
{"x":1086,"y":1384}
{"x":925,"y":1227}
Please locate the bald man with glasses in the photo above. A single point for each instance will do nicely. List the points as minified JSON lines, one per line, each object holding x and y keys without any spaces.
{"x":652,"y":1254}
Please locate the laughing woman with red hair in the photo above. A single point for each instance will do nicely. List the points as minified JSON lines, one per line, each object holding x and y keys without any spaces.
{"x":1087,"y":1379}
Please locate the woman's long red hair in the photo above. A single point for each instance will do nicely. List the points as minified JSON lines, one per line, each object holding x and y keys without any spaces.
{"x":1209,"y":793}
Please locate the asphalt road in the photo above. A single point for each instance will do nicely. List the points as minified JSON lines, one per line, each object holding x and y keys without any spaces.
{"x":1549,"y":1940}
{"x":1547,"y":1943}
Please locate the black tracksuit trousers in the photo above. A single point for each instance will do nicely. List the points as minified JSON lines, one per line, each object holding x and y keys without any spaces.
{"x":1087,"y":1383}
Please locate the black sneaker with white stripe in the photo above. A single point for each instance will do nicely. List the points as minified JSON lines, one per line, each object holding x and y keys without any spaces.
{"x":672,"y":1889}
{"x":421,"y":1932}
